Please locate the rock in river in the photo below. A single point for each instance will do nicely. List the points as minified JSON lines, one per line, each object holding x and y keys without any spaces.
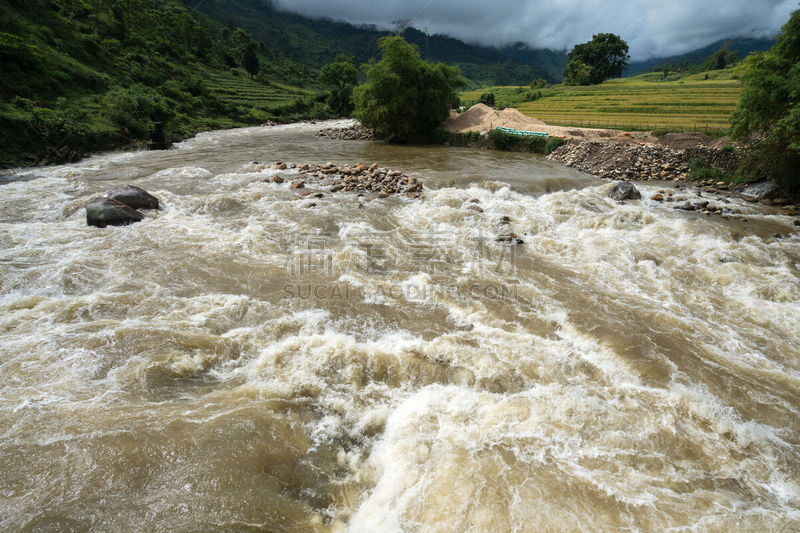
{"x":134,"y":197}
{"x":759,"y":191}
{"x":102,"y":212}
{"x":625,"y":191}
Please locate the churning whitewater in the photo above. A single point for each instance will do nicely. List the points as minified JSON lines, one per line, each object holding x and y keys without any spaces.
{"x":242,"y":360}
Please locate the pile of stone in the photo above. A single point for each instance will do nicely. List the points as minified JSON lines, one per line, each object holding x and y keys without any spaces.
{"x":356,"y":132}
{"x":359,"y":178}
{"x":623,"y":161}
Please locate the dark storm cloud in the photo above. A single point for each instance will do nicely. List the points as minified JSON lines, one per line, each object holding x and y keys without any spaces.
{"x":651,"y":27}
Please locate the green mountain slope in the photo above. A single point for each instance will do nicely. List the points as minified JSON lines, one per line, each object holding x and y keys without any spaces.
{"x":743,"y":46}
{"x":313,"y":43}
{"x":77,"y":76}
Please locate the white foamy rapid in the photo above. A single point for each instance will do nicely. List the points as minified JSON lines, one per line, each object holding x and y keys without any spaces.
{"x":242,"y":361}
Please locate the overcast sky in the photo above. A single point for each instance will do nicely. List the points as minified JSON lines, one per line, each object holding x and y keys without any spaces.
{"x":651,"y":27}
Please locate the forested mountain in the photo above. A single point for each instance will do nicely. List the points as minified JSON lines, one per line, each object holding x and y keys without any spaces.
{"x":78,"y":75}
{"x":743,"y":46}
{"x":311,"y":42}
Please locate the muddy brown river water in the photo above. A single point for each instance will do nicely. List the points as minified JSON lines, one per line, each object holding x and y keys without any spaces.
{"x":241,"y":362}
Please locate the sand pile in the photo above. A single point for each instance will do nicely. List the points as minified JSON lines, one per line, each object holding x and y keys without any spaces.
{"x":483,"y":118}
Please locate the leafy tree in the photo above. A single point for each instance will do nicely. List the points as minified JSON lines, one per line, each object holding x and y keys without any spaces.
{"x":720,"y":59}
{"x":578,"y":73}
{"x":539,"y":84}
{"x":339,"y":78}
{"x":488,"y":99}
{"x":250,"y":62}
{"x":768,"y":116}
{"x":245,"y":48}
{"x":404,"y":97}
{"x":606,"y":55}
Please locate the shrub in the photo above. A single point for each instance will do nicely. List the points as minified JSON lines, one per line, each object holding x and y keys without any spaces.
{"x":768,"y":116}
{"x":488,"y":99}
{"x":501,"y":140}
{"x":700,"y":171}
{"x":553,"y":143}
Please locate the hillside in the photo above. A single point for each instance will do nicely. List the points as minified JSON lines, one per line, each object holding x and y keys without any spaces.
{"x":743,"y":46}
{"x":76,"y":78}
{"x":702,"y":102}
{"x":313,"y":43}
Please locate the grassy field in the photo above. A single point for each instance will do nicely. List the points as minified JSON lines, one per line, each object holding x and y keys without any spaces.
{"x":702,"y":102}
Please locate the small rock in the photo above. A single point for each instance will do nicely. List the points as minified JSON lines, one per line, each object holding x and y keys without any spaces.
{"x":474,"y":201}
{"x":281,"y":166}
{"x":510,"y":238}
{"x":337,"y":188}
{"x":475,"y":208}
{"x":297,"y":185}
{"x":383,"y":195}
{"x":658,"y":197}
{"x":277,"y":179}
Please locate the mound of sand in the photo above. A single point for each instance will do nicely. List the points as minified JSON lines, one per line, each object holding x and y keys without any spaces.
{"x":483,"y":118}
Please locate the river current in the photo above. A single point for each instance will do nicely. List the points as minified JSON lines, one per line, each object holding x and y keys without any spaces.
{"x":241,"y":361}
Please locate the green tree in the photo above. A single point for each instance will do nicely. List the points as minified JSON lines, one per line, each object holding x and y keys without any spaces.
{"x":488,"y":99}
{"x":768,"y":115}
{"x":720,"y":59}
{"x":245,"y":48}
{"x":606,"y":55}
{"x":404,"y":97}
{"x":578,"y":73}
{"x":250,"y":61}
{"x":339,"y":78}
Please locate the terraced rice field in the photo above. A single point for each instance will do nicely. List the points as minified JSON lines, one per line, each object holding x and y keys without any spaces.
{"x":689,"y":104}
{"x":244,"y":91}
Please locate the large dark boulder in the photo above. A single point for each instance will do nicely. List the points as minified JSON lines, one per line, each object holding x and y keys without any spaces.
{"x":102,"y":212}
{"x":134,"y":197}
{"x":624,"y":191}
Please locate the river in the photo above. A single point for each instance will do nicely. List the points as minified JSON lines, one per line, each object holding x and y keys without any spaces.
{"x":240,"y":361}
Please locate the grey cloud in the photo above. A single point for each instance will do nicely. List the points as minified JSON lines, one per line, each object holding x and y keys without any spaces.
{"x":651,"y":27}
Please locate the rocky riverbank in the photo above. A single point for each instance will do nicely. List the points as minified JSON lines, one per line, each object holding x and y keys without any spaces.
{"x":640,"y":161}
{"x":623,"y":162}
{"x":356,"y":132}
